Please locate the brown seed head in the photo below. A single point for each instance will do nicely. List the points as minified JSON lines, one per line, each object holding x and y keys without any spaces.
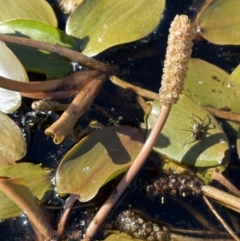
{"x":177,"y":57}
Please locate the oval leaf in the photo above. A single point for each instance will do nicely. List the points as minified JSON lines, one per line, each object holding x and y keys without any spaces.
{"x":219,"y":22}
{"x":24,"y":9}
{"x":12,"y":143}
{"x":11,"y":68}
{"x":36,"y":60}
{"x":37,"y":179}
{"x":102,"y":24}
{"x":176,"y":141}
{"x":208,"y":86}
{"x":96,"y":159}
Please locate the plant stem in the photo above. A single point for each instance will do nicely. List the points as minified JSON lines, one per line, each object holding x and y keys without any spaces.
{"x":68,"y":82}
{"x":66,"y":52}
{"x":126,"y":180}
{"x":60,"y":128}
{"x":174,"y":71}
{"x":225,"y":225}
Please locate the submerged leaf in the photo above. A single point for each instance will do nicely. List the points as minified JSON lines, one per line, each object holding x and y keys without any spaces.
{"x":219,"y":22}
{"x":24,"y":9}
{"x":12,"y":143}
{"x":37,"y":179}
{"x":208,"y":86}
{"x":97,"y":159}
{"x":102,"y":24}
{"x":10,"y":67}
{"x":177,"y":143}
{"x":37,"y":60}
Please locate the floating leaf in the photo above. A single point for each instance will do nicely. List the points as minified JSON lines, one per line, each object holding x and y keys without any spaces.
{"x":219,"y":22}
{"x":39,"y":31}
{"x":208,"y":86}
{"x":11,"y":68}
{"x":234,"y":79}
{"x":18,"y":191}
{"x":12,"y":143}
{"x":36,"y":178}
{"x":37,"y":60}
{"x":97,"y":159}
{"x":176,"y":141}
{"x":102,"y":24}
{"x":24,"y":9}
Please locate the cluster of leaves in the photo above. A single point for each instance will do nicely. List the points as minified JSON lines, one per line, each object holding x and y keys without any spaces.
{"x":106,"y":153}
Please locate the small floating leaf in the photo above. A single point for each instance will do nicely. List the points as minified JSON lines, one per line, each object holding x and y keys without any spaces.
{"x":36,"y":178}
{"x":37,"y":60}
{"x":10,"y":67}
{"x":102,"y":24}
{"x":97,"y":159}
{"x":208,"y":86}
{"x":176,"y":141}
{"x":219,"y":22}
{"x":37,"y":10}
{"x":12,"y":143}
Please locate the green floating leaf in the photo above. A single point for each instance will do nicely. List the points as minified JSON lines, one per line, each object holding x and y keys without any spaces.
{"x":13,"y":146}
{"x":219,"y":22}
{"x":10,"y":67}
{"x":97,"y":159}
{"x":234,"y":79}
{"x":37,"y":60}
{"x":102,"y":24}
{"x":18,"y":191}
{"x":176,"y":141}
{"x":36,"y":178}
{"x":24,"y":9}
{"x":208,"y":86}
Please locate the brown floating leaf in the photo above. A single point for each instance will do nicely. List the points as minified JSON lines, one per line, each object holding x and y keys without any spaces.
{"x":97,"y":159}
